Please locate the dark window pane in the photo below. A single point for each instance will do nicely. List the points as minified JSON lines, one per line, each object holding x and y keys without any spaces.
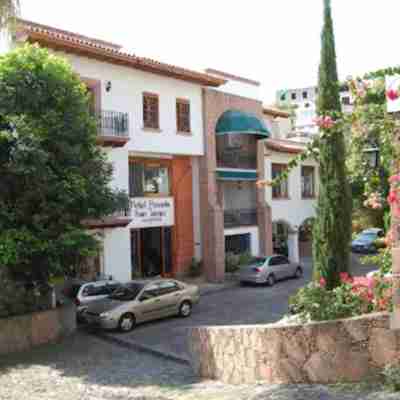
{"x":136,"y":171}
{"x":167,"y":243}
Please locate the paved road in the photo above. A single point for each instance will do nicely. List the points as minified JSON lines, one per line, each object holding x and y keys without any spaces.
{"x":234,"y":306}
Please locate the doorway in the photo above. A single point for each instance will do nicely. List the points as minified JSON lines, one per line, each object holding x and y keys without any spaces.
{"x":151,"y":252}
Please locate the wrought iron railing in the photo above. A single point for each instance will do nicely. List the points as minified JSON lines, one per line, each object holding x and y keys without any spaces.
{"x":242,"y":217}
{"x":112,"y":123}
{"x":237,"y":159}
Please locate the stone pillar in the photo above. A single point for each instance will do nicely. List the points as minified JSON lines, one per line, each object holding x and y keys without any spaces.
{"x":264,"y":215}
{"x":293,"y":245}
{"x":395,"y":321}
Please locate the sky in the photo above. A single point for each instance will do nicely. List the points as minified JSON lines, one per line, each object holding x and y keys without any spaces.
{"x":276,"y":42}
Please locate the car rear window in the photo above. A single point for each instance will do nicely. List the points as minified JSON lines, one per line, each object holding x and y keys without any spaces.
{"x":258,"y":261}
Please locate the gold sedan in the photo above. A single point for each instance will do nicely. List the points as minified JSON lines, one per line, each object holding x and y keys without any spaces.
{"x":142,"y":301}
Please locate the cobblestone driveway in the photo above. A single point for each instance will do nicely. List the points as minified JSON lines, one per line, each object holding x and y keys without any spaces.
{"x":85,"y":368}
{"x":233,"y":306}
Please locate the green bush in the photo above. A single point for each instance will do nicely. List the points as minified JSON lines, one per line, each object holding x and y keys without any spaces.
{"x":314,"y":302}
{"x":232,"y":262}
{"x":383,"y":260}
{"x":245,"y":258}
{"x":195,"y":268}
{"x":391,"y":376}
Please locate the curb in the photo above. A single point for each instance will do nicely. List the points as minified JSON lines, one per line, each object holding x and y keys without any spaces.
{"x":166,"y":355}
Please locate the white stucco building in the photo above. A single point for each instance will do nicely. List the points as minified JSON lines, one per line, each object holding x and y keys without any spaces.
{"x":293,"y":202}
{"x":304,"y":103}
{"x":150,"y":125}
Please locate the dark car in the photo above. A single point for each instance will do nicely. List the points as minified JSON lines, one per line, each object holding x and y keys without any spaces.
{"x":365,"y":241}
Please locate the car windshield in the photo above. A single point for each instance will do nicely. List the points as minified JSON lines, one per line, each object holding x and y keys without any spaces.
{"x":127,"y":292}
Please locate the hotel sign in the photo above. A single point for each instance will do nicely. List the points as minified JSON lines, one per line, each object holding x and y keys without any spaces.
{"x":393,"y":84}
{"x":149,"y":212}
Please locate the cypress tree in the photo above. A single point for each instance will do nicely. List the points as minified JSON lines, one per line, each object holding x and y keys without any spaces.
{"x":332,"y":229}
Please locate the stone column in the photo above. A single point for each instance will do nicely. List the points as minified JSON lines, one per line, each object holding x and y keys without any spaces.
{"x":264,"y":215}
{"x":395,"y":321}
{"x":293,"y":245}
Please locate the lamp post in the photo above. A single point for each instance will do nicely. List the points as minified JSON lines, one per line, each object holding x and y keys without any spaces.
{"x":372,"y":154}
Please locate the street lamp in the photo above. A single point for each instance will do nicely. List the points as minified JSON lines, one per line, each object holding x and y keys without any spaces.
{"x":372,"y":155}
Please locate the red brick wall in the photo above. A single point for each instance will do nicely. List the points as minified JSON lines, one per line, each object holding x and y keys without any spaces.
{"x":183,"y":237}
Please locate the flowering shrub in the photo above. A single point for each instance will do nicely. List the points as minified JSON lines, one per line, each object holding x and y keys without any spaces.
{"x":355,"y":296}
{"x":374,"y":201}
{"x":325,"y":122}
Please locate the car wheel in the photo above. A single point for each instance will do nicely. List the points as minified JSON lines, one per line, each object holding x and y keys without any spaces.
{"x":271,"y":280}
{"x":185,"y":309}
{"x":127,"y":322}
{"x":299,"y":273}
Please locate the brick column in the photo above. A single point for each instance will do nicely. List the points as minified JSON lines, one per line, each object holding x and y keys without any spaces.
{"x":264,"y":215}
{"x":395,"y":321}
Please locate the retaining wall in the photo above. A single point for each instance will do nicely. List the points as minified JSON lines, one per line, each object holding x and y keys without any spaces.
{"x":26,"y":331}
{"x":343,"y":350}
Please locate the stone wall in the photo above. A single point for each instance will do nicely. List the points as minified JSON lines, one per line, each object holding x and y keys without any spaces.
{"x":26,"y":331}
{"x":343,"y":350}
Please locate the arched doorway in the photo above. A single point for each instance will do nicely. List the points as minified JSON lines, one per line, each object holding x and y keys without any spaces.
{"x":305,"y":238}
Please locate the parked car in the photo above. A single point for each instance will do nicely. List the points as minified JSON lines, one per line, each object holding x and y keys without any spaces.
{"x":365,"y":241}
{"x":143,"y":300}
{"x":82,"y":293}
{"x":269,"y":270}
{"x":377,"y":273}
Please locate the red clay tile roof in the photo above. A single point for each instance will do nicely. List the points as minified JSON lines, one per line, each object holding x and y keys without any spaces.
{"x":275,"y":112}
{"x":74,"y":43}
{"x":284,"y":146}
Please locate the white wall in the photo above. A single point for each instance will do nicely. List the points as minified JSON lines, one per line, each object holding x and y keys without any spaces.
{"x":254,"y":237}
{"x":126,"y":95}
{"x":238,"y":87}
{"x":295,"y":209}
{"x":120,"y":161}
{"x":117,"y":254}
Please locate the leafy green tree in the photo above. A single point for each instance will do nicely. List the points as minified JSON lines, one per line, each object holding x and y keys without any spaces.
{"x":332,"y":228}
{"x":53,"y":175}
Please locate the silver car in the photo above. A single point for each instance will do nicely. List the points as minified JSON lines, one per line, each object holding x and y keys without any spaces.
{"x":269,"y":270}
{"x":141,"y":301}
{"x":83,"y":293}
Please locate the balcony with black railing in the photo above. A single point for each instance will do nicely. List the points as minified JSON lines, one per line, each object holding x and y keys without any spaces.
{"x":237,"y":151}
{"x":237,"y":159}
{"x":241,"y":217}
{"x":113,"y":128}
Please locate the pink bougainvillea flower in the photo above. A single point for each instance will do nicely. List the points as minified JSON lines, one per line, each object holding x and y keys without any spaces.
{"x":394,"y":179}
{"x":326,"y":122}
{"x":345,"y":277}
{"x":389,"y":239}
{"x":392,"y":198}
{"x":322,"y":282}
{"x":392,"y":94}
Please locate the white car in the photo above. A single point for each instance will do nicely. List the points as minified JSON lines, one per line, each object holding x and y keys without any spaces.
{"x":82,"y":293}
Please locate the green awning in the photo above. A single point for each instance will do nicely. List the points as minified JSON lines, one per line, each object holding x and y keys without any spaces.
{"x":236,"y":122}
{"x":236,"y":175}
